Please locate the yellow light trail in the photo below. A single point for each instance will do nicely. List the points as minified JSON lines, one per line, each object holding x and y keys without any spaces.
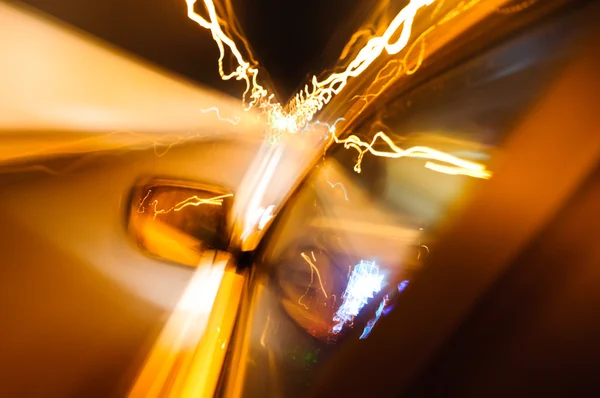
{"x":313,"y":270}
{"x":457,"y":165}
{"x":310,"y":100}
{"x":191,"y":201}
{"x":244,"y":71}
{"x":401,"y":66}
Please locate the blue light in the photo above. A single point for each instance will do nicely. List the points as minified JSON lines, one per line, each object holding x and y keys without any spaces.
{"x":371,"y":323}
{"x":402,"y":285}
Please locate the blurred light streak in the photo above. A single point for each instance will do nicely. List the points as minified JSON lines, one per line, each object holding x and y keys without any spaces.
{"x":183,"y":331}
{"x":393,"y":69}
{"x":244,"y":71}
{"x":111,"y":151}
{"x":187,"y":358}
{"x":516,"y":7}
{"x":367,"y":31}
{"x":263,"y":336}
{"x":266,"y":169}
{"x":471,"y":155}
{"x":101,"y":142}
{"x":260,"y":217}
{"x":30,"y":169}
{"x":422,"y":247}
{"x":384,"y":81}
{"x":59,"y":85}
{"x":365,"y":281}
{"x":452,"y":170}
{"x":460,"y":166}
{"x":310,"y":100}
{"x":191,"y":201}
{"x":387,"y":231}
{"x":313,"y":269}
{"x":384,"y":309}
{"x":297,"y":115}
{"x":372,"y":322}
{"x":339,"y":184}
{"x":235,"y":120}
{"x":267,"y":215}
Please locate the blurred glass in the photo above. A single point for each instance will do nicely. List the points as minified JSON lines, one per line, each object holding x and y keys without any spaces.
{"x":177,"y":221}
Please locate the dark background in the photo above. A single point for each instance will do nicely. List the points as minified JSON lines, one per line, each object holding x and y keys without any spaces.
{"x":289,"y":38}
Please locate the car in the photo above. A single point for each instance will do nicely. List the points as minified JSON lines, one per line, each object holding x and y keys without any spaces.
{"x":335,"y":262}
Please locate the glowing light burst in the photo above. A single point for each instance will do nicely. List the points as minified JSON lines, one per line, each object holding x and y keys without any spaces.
{"x":190,"y":201}
{"x":365,"y":281}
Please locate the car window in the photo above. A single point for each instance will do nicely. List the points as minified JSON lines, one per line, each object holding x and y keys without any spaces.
{"x":358,"y":230}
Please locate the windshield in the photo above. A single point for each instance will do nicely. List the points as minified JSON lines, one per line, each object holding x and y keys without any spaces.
{"x":359,"y":229}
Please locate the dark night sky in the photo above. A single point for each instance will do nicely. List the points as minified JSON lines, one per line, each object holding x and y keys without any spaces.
{"x":159,"y":31}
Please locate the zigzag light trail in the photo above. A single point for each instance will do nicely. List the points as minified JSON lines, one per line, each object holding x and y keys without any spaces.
{"x":191,"y":201}
{"x":309,"y":101}
{"x":304,"y":105}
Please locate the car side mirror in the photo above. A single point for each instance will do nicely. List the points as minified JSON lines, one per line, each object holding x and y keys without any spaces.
{"x":177,"y":221}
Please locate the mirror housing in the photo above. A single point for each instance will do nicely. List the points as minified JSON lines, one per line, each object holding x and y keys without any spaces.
{"x":177,"y":220}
